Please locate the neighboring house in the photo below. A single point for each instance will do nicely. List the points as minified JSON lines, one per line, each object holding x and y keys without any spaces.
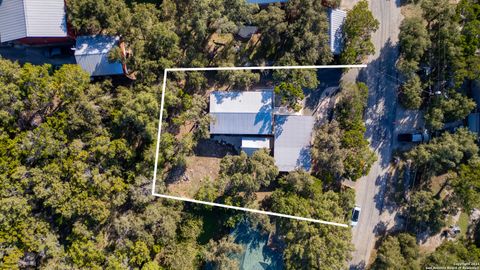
{"x":336,"y":19}
{"x":33,"y":21}
{"x":91,"y":53}
{"x":292,"y":142}
{"x":246,"y":120}
{"x":241,"y":112}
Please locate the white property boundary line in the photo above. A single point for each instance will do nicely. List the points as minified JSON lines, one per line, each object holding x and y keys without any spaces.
{"x":164,"y":84}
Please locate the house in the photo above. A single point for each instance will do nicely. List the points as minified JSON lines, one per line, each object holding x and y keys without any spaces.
{"x":336,"y":18}
{"x":292,"y":141}
{"x":248,"y":121}
{"x":33,"y":21}
{"x":91,"y":53}
{"x":241,"y":112}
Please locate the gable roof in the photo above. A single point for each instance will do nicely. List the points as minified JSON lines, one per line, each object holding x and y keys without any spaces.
{"x":336,"y":20}
{"x":293,"y":135}
{"x":32,"y":18}
{"x":91,"y":53}
{"x":241,"y":112}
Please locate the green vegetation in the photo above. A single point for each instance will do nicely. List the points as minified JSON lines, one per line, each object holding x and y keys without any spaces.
{"x":398,"y":252}
{"x":444,"y":41}
{"x":402,"y":252}
{"x":291,"y":95}
{"x":311,"y":245}
{"x":340,"y":149}
{"x":357,"y":30}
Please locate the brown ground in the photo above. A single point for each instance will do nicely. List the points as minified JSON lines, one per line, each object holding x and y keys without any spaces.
{"x":198,"y":171}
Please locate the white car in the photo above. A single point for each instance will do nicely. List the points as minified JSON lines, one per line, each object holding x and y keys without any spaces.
{"x":355,"y":216}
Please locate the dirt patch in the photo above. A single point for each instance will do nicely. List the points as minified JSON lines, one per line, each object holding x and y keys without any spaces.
{"x":198,"y":171}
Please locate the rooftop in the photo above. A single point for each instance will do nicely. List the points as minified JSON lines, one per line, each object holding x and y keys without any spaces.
{"x":292,"y":142}
{"x":336,"y":18}
{"x":32,"y":18}
{"x":241,"y":112}
{"x":91,"y":53}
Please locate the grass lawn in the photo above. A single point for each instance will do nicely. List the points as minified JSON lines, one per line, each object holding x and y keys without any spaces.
{"x":463,"y":224}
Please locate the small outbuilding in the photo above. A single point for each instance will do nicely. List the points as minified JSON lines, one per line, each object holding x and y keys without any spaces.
{"x":241,"y":112}
{"x":336,"y":21}
{"x":252,"y":144}
{"x":33,"y":21}
{"x":293,"y":135}
{"x":91,"y":53}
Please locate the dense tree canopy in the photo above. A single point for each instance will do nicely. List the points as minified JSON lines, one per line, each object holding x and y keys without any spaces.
{"x":339,"y":148}
{"x":311,"y":245}
{"x":398,"y":252}
{"x":357,"y":30}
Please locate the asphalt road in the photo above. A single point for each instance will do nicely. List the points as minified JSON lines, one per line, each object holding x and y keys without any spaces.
{"x":381,"y":77}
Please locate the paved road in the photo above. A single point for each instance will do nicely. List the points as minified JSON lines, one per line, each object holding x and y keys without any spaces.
{"x":381,"y":77}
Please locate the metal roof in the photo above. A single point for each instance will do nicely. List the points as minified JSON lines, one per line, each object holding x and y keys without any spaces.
{"x":293,"y":135}
{"x":241,"y":112}
{"x":252,"y":144}
{"x":91,"y":53}
{"x":32,"y":18}
{"x":336,"y":18}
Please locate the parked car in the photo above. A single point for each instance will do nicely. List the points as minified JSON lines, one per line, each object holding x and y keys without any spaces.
{"x":417,"y":137}
{"x":355,"y":216}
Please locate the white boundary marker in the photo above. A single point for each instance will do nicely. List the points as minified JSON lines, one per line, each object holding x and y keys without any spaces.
{"x":164,"y":84}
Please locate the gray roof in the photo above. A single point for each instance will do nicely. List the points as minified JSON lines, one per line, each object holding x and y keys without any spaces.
{"x":241,"y":112}
{"x":32,"y":18}
{"x":91,"y":53}
{"x":293,"y":135}
{"x":336,"y":18}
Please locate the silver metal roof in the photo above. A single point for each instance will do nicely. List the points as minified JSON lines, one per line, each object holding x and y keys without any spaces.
{"x":91,"y":53}
{"x":293,"y":134}
{"x":32,"y":18}
{"x":336,"y":18}
{"x":241,"y":112}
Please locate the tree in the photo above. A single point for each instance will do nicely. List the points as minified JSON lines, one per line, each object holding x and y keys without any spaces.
{"x":398,"y":252}
{"x":219,"y":254}
{"x":452,"y":252}
{"x":291,"y":95}
{"x":444,"y":153}
{"x":455,"y":106}
{"x":425,"y":212}
{"x":466,"y":185}
{"x":327,"y":151}
{"x":241,"y":176}
{"x":310,"y":245}
{"x":357,"y":30}
{"x":411,"y":93}
{"x":414,"y":39}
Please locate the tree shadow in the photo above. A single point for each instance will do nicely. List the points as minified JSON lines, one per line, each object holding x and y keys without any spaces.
{"x":381,"y":78}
